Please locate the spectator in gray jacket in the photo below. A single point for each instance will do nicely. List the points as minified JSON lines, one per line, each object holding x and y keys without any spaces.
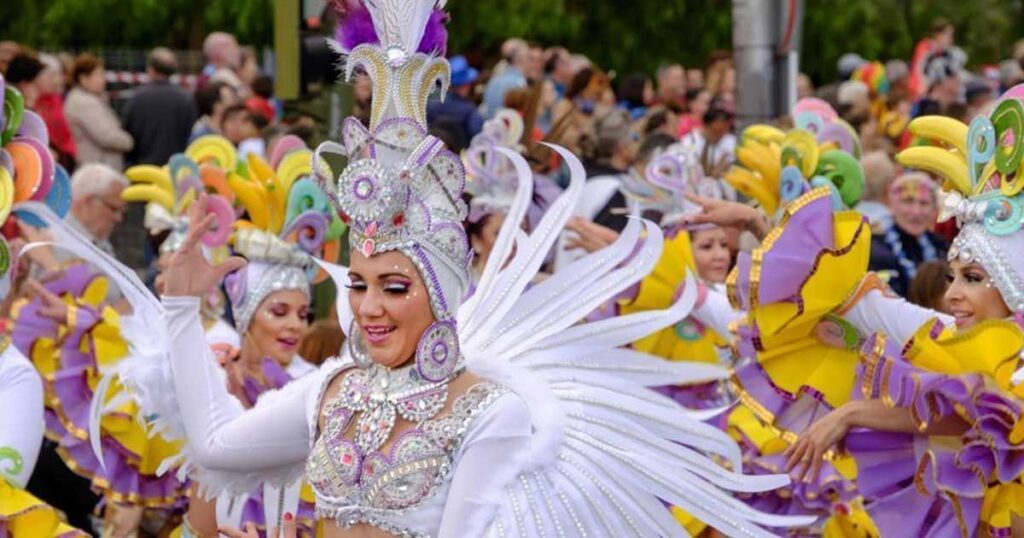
{"x":95,"y":127}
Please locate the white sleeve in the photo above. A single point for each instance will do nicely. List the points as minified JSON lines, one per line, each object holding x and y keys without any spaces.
{"x":21,"y":415}
{"x":221,"y":435}
{"x":893,"y":316}
{"x":717,"y":313}
{"x":494,"y":445}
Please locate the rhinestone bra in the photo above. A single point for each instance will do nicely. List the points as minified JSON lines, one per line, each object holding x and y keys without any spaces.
{"x":355,"y":481}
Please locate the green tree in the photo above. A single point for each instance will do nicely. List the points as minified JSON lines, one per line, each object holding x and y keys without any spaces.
{"x":133,"y":23}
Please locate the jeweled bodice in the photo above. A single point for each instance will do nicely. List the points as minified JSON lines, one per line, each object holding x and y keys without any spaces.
{"x":355,"y":481}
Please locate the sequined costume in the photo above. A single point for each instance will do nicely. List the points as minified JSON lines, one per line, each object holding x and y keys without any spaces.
{"x":559,"y":434}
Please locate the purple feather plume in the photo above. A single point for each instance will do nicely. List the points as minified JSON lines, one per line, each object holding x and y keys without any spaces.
{"x":435,"y":36}
{"x":355,"y":26}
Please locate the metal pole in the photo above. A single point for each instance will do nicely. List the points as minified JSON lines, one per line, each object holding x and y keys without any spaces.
{"x":765,"y":36}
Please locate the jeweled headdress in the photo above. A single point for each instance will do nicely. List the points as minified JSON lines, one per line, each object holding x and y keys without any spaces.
{"x":169,"y":190}
{"x":775,"y":167}
{"x":289,"y":220}
{"x":27,"y":172}
{"x":670,"y":175}
{"x":401,"y":190}
{"x":491,"y":178}
{"x":980,"y":165}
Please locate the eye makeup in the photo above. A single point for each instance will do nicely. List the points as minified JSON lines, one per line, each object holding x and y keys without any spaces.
{"x":397,"y":287}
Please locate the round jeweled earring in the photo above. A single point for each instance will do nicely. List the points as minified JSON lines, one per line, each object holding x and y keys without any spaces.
{"x":437,"y":353}
{"x":357,"y":347}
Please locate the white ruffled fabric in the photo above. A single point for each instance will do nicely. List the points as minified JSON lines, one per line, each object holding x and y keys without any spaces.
{"x":21,"y":389}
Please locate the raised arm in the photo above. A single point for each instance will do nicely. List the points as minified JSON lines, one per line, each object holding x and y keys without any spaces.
{"x":713,"y":309}
{"x":221,"y":436}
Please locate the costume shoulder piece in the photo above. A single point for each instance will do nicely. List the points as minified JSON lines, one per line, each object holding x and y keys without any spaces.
{"x":814,"y":260}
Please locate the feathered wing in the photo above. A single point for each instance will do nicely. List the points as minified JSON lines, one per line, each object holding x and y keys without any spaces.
{"x":147,"y":369}
{"x":606,"y":450}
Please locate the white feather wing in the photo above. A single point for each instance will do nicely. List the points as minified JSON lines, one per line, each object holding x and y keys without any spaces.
{"x":606,"y":449}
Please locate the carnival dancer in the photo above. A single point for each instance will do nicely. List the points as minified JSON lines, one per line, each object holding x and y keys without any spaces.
{"x":933,"y":420}
{"x":498,"y":415}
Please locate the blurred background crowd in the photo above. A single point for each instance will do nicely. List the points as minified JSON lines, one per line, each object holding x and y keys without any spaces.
{"x":119,"y":109}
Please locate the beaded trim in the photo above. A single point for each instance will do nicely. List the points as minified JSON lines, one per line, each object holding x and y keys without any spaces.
{"x":973,"y":243}
{"x":276,"y":278}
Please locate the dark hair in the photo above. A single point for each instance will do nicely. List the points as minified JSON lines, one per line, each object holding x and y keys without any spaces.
{"x":161,"y":63}
{"x":656,"y":120}
{"x":652,"y":144}
{"x":208,"y":96}
{"x":24,"y":67}
{"x":579,"y":82}
{"x":84,"y":66}
{"x":693,"y":93}
{"x":717,"y":110}
{"x":673,"y":106}
{"x":263,"y":86}
{"x":235,"y":110}
{"x":939,"y":25}
{"x":928,"y":285}
{"x":631,"y":89}
{"x":549,"y":66}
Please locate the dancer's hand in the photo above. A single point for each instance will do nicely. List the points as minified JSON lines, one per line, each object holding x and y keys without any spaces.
{"x":588,"y":235}
{"x":809,"y":450}
{"x":229,"y":359}
{"x":188,"y":273}
{"x":51,"y":306}
{"x":288,"y":530}
{"x":124,"y":520}
{"x":729,"y":214}
{"x":41,"y":256}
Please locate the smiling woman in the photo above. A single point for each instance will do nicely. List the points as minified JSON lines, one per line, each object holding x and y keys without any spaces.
{"x":390,"y":305}
{"x":908,"y":242}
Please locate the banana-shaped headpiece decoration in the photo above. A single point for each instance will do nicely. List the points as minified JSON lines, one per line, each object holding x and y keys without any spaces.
{"x":980,"y":164}
{"x":169,"y":190}
{"x":283,"y":205}
{"x":775,"y":167}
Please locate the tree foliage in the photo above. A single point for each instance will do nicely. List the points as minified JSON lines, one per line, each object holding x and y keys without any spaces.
{"x":625,"y":35}
{"x":133,"y":23}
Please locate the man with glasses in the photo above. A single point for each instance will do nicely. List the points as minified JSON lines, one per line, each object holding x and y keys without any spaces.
{"x":96,"y":209}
